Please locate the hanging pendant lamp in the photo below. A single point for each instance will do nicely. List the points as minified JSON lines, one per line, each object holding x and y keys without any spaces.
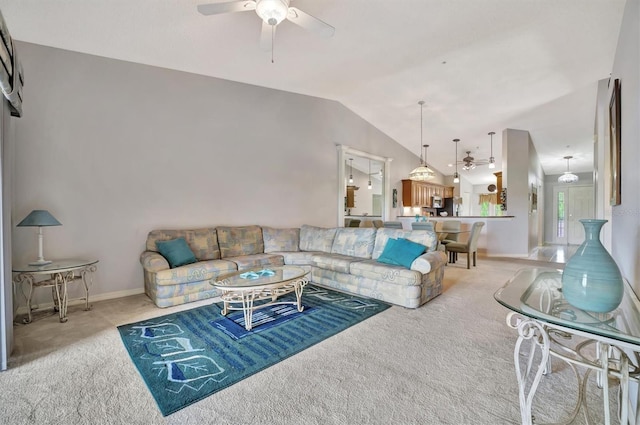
{"x":456,"y":176}
{"x":350,"y":170}
{"x":369,"y":186}
{"x":422,"y":172}
{"x":492,"y":160}
{"x":568,"y":176}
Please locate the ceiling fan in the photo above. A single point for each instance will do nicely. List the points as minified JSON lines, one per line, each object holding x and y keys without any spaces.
{"x":272,"y":12}
{"x":469,"y":162}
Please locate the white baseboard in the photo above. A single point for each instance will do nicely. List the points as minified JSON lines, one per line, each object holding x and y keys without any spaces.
{"x":92,"y":298}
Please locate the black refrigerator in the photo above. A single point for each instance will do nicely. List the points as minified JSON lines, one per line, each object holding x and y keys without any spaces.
{"x":447,"y":205}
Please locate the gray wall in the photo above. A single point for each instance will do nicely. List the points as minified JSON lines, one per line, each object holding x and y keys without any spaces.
{"x":115,"y":149}
{"x":625,"y":235}
{"x":520,"y":169}
{"x":6,"y":285}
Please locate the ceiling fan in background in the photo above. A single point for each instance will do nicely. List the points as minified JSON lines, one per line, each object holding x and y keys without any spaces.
{"x":469,"y":162}
{"x":272,"y":12}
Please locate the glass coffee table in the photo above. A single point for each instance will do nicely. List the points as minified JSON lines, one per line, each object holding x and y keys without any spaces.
{"x":250,"y":290}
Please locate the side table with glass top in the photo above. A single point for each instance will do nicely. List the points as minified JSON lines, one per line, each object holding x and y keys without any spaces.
{"x":56,"y":276}
{"x":600,"y":342}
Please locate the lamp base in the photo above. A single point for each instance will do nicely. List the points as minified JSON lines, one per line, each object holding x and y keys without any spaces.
{"x":40,"y":263}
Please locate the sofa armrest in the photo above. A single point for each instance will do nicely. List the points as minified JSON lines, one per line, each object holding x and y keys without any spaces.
{"x":153,"y":262}
{"x":429,"y":261}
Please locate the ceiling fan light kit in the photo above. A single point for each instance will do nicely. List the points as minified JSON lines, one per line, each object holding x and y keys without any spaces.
{"x":272,"y":12}
{"x":469,"y":164}
{"x":422,"y":172}
{"x":568,"y":177}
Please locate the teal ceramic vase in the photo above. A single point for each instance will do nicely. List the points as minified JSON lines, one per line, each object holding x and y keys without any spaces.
{"x":591,"y":279}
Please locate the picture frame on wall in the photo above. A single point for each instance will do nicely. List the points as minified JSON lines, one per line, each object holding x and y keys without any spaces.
{"x":614,"y":144}
{"x":534,"y":198}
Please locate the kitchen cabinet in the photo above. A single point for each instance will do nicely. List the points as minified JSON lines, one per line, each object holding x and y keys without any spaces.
{"x":448,"y":192}
{"x":419,"y":194}
{"x":351,"y":196}
{"x":498,"y":181}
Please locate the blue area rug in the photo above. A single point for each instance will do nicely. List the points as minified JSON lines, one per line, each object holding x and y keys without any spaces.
{"x":184,"y":357}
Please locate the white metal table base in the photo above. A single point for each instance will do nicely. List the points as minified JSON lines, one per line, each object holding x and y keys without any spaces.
{"x":611,"y":361}
{"x":246,"y":298}
{"x":58,"y":282}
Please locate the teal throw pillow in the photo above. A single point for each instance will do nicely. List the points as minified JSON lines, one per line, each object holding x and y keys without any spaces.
{"x":176,"y":251}
{"x":401,"y":252}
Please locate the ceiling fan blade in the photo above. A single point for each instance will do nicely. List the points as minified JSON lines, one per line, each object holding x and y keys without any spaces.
{"x":266,"y":36}
{"x":309,"y":22}
{"x":227,"y":7}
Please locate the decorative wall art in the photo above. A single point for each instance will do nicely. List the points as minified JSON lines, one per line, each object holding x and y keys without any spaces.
{"x":534,"y":197}
{"x":614,"y":144}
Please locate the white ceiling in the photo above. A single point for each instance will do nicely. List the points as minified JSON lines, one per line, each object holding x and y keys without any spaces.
{"x":480,"y":65}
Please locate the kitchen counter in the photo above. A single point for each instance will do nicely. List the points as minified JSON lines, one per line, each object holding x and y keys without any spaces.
{"x":493,"y":225}
{"x":461,"y":217}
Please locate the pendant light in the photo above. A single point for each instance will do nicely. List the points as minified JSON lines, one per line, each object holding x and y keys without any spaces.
{"x":492,"y":160}
{"x":422,"y":172}
{"x":350,"y":170}
{"x":456,"y":176}
{"x":568,"y":177}
{"x":369,"y":186}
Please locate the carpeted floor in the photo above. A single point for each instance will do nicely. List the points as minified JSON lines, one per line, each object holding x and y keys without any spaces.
{"x":448,"y":362}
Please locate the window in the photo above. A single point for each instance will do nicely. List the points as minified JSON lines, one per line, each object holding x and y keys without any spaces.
{"x":562,"y":225}
{"x":484,"y":209}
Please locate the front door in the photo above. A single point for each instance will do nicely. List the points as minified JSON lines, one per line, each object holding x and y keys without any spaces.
{"x":570,"y":205}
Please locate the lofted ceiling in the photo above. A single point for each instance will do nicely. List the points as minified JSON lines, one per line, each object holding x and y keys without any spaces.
{"x":480,"y":66}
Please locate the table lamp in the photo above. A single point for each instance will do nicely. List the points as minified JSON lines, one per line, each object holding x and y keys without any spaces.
{"x":39,"y":218}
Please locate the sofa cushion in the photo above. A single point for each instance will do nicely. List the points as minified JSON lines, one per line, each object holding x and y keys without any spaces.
{"x":427,"y":238}
{"x":241,"y":240}
{"x":276,"y":240}
{"x":203,"y":242}
{"x":298,"y":258}
{"x":176,"y":251}
{"x":401,"y":252}
{"x":354,"y":241}
{"x":202,"y":270}
{"x":246,"y":262}
{"x":397,"y":275}
{"x":316,"y":238}
{"x":336,"y":262}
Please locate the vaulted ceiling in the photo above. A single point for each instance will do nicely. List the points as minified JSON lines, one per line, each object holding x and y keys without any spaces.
{"x":480,"y":66}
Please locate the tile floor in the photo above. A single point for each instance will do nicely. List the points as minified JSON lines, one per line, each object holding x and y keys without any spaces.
{"x":553,"y":253}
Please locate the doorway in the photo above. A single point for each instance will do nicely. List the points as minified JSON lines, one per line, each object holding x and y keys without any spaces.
{"x":570,"y":205}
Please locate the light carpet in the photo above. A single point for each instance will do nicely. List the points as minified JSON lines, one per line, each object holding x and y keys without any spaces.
{"x":447,"y":362}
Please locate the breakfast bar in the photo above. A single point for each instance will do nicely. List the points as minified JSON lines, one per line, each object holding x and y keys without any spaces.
{"x":492,"y":227}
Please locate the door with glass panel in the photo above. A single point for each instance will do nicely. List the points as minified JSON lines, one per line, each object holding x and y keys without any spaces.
{"x":570,"y":205}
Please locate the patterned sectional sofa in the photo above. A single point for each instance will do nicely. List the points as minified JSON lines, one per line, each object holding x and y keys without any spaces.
{"x":340,"y":258}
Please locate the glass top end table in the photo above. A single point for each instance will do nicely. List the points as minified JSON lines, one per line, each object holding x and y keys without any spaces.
{"x":58,"y":274}
{"x":548,"y":323}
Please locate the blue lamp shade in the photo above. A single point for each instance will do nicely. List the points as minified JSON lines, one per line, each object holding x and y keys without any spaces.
{"x":39,"y":218}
